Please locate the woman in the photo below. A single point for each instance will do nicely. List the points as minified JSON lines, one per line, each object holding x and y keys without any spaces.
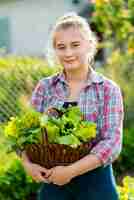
{"x":100,"y":101}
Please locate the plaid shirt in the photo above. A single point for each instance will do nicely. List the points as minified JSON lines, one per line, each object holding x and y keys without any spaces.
{"x":100,"y":101}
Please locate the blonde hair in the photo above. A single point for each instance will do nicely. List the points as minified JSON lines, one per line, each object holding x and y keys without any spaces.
{"x":73,"y":20}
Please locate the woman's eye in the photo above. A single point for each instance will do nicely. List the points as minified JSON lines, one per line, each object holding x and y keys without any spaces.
{"x":60,"y":48}
{"x":76,"y":45}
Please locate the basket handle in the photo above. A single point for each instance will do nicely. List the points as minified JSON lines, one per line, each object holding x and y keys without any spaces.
{"x":44,"y":135}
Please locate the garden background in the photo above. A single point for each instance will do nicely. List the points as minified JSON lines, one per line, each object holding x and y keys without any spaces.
{"x":113,"y":20}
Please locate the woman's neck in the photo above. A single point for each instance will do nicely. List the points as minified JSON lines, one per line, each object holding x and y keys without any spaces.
{"x":77,"y":75}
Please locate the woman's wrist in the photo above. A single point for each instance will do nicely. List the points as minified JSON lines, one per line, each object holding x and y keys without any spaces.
{"x":84,"y":165}
{"x":72,"y":171}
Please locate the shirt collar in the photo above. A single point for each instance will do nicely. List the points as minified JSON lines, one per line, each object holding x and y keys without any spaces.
{"x":93,"y":77}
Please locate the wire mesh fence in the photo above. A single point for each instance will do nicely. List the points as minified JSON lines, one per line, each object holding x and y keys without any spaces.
{"x":18,"y":77}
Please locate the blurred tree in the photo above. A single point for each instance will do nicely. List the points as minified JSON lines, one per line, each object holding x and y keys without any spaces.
{"x":87,"y":12}
{"x":115,"y":20}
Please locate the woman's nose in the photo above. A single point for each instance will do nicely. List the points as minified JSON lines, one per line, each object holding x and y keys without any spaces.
{"x":68,"y":52}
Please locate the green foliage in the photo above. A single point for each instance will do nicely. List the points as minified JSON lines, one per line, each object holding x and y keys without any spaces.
{"x":115,"y":20}
{"x":128,"y":148}
{"x":69,"y":128}
{"x":23,"y":129}
{"x":126,"y":161}
{"x":18,"y":77}
{"x":126,"y":191}
{"x":14,"y":184}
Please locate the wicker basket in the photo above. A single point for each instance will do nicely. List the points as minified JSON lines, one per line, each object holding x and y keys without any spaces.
{"x":50,"y":155}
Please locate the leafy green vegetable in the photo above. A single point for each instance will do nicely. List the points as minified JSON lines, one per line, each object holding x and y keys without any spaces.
{"x":68,"y":140}
{"x":86,"y":131}
{"x":65,"y":126}
{"x":53,"y":132}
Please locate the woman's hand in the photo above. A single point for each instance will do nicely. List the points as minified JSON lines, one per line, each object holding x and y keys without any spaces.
{"x":60,"y":175}
{"x":63,"y":174}
{"x":37,"y":172}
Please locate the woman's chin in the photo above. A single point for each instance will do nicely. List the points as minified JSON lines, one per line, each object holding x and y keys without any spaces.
{"x":71,"y":67}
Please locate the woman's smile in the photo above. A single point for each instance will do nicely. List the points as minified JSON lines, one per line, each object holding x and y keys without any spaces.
{"x":70,"y":61}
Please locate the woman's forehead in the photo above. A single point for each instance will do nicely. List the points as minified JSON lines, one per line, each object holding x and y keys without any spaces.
{"x":70,"y":34}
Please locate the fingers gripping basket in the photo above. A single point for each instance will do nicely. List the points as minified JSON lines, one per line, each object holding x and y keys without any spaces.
{"x":50,"y":155}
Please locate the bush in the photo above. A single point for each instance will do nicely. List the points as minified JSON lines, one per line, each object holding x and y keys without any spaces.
{"x":126,"y":191}
{"x":114,"y":20}
{"x":15,"y":184}
{"x":125,"y":162}
{"x":18,"y":77}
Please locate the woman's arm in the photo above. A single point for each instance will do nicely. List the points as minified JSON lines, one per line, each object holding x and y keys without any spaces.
{"x":110,"y":126}
{"x":84,"y":165}
{"x":63,"y":174}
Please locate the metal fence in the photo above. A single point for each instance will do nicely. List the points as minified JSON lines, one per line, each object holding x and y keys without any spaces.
{"x":18,"y":77}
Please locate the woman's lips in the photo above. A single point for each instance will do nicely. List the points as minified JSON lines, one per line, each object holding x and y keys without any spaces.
{"x":69,"y":61}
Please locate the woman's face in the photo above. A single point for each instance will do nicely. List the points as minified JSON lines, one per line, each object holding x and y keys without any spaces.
{"x":71,"y":48}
